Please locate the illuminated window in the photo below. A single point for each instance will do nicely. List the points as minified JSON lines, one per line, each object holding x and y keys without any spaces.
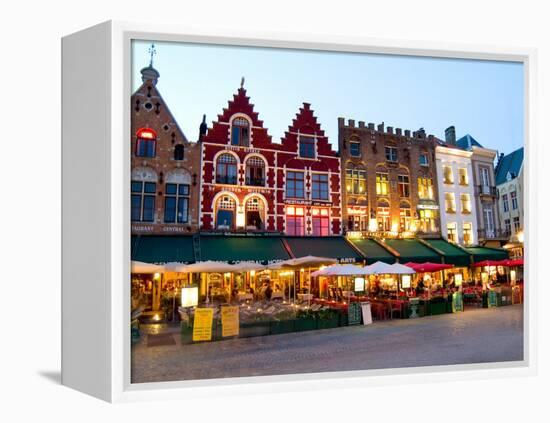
{"x":507,"y":226}
{"x":467,"y":233}
{"x":146,"y":142}
{"x":465,"y":204}
{"x":463,"y":176}
{"x":403,"y":185}
{"x":226,"y":169}
{"x":448,"y":175}
{"x":319,"y":187}
{"x":391,"y":154}
{"x":294,"y":184}
{"x":320,"y":221}
{"x":382,"y":184}
{"x":428,"y":220}
{"x":255,"y":172}
{"x":356,"y":180}
{"x":295,"y":221}
{"x":425,"y":189}
{"x":451,"y":232}
{"x":517,"y":225}
{"x":405,"y":216}
{"x":383,"y":216}
{"x":225,"y":212}
{"x":254,"y":213}
{"x":143,"y":201}
{"x":307,"y":147}
{"x":240,"y":132}
{"x":358,"y":222}
{"x":450,"y":205}
{"x":176,"y":203}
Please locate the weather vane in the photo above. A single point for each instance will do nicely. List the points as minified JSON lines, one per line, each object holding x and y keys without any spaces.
{"x":152,"y":51}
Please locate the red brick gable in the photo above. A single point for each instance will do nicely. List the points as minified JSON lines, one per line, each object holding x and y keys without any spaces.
{"x":305,"y":122}
{"x":219,"y":133}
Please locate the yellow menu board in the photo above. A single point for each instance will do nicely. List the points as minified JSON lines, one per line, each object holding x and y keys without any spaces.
{"x":230,"y":321}
{"x":202,"y":326}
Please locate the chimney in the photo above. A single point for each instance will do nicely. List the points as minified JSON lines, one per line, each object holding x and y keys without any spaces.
{"x":381,"y":127}
{"x":450,"y":135}
{"x":203,"y":128}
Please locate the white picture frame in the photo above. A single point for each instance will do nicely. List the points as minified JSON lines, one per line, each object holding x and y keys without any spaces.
{"x":96,"y":91}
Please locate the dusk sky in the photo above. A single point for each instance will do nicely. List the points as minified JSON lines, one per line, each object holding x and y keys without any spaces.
{"x":482,"y":98}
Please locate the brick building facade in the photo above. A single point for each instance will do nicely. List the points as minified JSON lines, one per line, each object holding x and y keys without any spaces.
{"x":165,"y":166}
{"x":251,"y":184}
{"x":389,"y":179}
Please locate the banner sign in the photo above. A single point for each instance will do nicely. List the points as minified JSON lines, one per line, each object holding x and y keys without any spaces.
{"x":202,"y":326}
{"x":230,"y":321}
{"x":458,"y":304}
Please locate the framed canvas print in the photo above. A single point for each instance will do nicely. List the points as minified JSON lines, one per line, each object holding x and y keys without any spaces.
{"x":261,"y":211}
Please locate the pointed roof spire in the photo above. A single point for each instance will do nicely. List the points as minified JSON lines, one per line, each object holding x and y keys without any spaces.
{"x":242,"y":82}
{"x":203,"y":128}
{"x":150,"y":73}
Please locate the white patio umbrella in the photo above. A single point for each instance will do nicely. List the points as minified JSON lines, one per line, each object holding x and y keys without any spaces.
{"x":401,"y":269}
{"x":142,"y":267}
{"x":379,"y":268}
{"x":340,"y":270}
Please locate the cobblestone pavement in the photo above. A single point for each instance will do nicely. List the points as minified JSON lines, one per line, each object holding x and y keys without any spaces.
{"x":475,"y":336}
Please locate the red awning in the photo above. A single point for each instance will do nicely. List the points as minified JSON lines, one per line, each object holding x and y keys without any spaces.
{"x":428,"y":267}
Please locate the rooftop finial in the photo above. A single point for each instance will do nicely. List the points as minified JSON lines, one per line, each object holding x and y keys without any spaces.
{"x":152,"y":51}
{"x":242,"y":82}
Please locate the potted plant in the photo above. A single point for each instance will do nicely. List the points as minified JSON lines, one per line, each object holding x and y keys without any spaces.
{"x":437,"y":305}
{"x":327,"y":318}
{"x":305,"y":320}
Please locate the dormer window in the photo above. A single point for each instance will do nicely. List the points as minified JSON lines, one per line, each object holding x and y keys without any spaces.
{"x":146,"y":142}
{"x":240,"y":132}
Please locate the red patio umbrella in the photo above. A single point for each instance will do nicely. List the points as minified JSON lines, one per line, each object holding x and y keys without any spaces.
{"x":511,"y":262}
{"x":484,"y":263}
{"x":428,"y":267}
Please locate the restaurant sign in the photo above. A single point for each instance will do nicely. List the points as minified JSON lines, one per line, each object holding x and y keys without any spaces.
{"x":457,"y":303}
{"x":354,"y":313}
{"x":202,"y":325}
{"x":230,"y":321}
{"x":491,"y":299}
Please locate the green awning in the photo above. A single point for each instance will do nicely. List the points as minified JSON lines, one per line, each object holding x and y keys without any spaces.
{"x":413,"y":250}
{"x":373,"y":251}
{"x":335,"y":247}
{"x":486,"y":253}
{"x":162,"y":249}
{"x":451,"y":253}
{"x":242,"y":248}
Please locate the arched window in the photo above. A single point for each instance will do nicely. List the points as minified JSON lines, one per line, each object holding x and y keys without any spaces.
{"x":178,"y":152}
{"x":255,"y":213}
{"x":240,"y":132}
{"x":226,"y":169}
{"x":383,"y":216}
{"x":225,"y":212}
{"x":255,"y":172}
{"x":146,"y":142}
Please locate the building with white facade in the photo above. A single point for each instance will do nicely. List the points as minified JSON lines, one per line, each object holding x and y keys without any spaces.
{"x":456,"y":194}
{"x":509,"y":179}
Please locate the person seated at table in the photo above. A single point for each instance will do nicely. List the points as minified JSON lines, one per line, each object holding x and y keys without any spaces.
{"x":268,"y":292}
{"x":420,"y":287}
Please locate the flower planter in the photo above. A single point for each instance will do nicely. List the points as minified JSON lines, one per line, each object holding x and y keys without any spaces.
{"x":438,"y":308}
{"x":282,"y":326}
{"x":305,"y":323}
{"x":186,"y":333}
{"x":248,"y":330}
{"x":328,"y":323}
